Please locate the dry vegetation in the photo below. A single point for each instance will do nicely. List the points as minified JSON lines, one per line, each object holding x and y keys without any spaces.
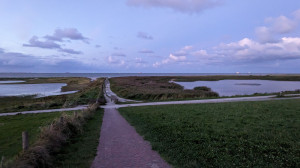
{"x":52,"y":138}
{"x":154,"y":88}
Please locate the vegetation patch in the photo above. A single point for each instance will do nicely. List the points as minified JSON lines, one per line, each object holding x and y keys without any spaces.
{"x":243,"y":134}
{"x":88,"y":95}
{"x":154,"y":88}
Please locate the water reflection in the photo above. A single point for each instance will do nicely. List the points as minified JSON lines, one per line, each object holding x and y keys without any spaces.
{"x":41,"y":90}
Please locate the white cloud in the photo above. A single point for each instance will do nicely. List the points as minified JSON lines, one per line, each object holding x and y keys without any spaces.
{"x":171,"y":59}
{"x":185,"y":6}
{"x":282,"y":24}
{"x":264,"y":34}
{"x":200,"y":53}
{"x":247,"y":50}
{"x":296,"y":14}
{"x":277,"y":26}
{"x":114,"y":61}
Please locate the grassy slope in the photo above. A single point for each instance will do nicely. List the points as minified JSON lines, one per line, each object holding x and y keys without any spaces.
{"x":11,"y":128}
{"x":245,"y":134}
{"x":81,"y":150}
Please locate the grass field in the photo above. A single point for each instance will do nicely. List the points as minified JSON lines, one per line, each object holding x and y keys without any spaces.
{"x":11,"y":128}
{"x":87,"y":93}
{"x":81,"y":151}
{"x":244,"y":134}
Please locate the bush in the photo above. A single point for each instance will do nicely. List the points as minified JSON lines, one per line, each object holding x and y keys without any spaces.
{"x":203,"y":88}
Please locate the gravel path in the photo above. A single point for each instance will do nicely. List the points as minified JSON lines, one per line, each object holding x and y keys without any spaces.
{"x":112,"y":95}
{"x":122,"y":147}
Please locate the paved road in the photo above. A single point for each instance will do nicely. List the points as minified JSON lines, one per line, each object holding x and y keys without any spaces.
{"x":45,"y":111}
{"x":121,"y":146}
{"x":221,"y":100}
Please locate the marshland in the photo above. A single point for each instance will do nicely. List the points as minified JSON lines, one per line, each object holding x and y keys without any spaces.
{"x":205,"y":135}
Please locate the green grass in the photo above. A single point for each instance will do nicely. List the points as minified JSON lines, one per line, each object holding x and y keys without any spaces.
{"x":11,"y":128}
{"x":81,"y":150}
{"x":87,"y":95}
{"x":244,"y":134}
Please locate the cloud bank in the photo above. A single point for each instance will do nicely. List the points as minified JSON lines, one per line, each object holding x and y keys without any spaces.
{"x":67,"y":33}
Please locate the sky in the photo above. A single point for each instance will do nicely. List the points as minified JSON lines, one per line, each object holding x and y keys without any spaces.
{"x":150,"y":36}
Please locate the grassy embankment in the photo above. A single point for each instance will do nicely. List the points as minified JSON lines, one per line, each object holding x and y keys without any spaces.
{"x":160,"y":88}
{"x":61,"y":139}
{"x":11,"y":128}
{"x":244,"y":134}
{"x":154,"y":88}
{"x":71,"y":143}
{"x":81,"y":150}
{"x":88,"y":92}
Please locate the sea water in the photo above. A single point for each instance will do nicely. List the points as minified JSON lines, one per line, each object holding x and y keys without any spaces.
{"x":40,"y":90}
{"x":244,"y":87}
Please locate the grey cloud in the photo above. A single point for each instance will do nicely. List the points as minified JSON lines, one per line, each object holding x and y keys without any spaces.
{"x":35,"y":42}
{"x":14,"y":58}
{"x":184,"y":6}
{"x":48,"y":44}
{"x":68,"y":33}
{"x":70,"y":51}
{"x":144,"y":35}
{"x":98,"y":46}
{"x":146,"y":51}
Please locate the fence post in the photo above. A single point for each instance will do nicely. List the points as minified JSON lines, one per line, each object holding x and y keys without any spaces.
{"x":61,"y":120}
{"x":76,"y":114}
{"x":25,"y":140}
{"x":2,"y":162}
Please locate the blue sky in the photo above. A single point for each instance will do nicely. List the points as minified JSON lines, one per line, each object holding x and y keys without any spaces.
{"x":190,"y":36}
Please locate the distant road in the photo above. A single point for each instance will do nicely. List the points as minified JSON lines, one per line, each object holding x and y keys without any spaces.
{"x":221,"y":100}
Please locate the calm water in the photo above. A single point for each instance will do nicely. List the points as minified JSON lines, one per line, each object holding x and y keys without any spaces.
{"x":244,"y":87}
{"x":41,"y":90}
{"x":2,"y":82}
